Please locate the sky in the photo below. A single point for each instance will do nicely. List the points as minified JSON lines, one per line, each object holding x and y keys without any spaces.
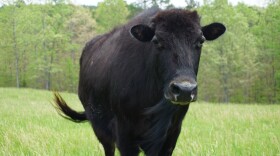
{"x":177,"y":3}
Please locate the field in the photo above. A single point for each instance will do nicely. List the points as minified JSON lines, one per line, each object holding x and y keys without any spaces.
{"x":29,"y":125}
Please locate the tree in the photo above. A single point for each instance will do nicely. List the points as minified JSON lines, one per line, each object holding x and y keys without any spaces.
{"x":16,"y":33}
{"x":268,"y":31}
{"x":159,"y":3}
{"x":191,"y":4}
{"x":110,"y":13}
{"x":133,"y":10}
{"x":229,"y":65}
{"x":81,"y":28}
{"x":154,"y":3}
{"x":42,"y":43}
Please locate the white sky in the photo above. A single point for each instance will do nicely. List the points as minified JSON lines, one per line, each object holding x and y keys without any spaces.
{"x":176,"y":3}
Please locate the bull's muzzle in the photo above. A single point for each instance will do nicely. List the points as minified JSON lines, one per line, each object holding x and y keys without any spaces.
{"x":182,"y":92}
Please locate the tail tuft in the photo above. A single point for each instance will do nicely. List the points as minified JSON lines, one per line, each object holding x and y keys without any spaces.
{"x":66,"y":112}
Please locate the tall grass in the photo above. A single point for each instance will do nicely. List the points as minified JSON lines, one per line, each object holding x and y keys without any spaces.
{"x":29,"y":125}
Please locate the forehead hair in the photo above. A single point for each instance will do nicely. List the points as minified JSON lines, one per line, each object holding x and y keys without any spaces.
{"x":177,"y":21}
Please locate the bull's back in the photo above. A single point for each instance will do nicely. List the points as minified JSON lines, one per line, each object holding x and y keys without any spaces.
{"x":95,"y":64}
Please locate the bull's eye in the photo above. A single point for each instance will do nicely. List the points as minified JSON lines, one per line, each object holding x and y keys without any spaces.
{"x":154,"y":39}
{"x":200,"y":42}
{"x":157,"y":43}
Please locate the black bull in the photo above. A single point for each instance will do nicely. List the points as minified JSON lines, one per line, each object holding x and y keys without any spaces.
{"x":136,"y":82}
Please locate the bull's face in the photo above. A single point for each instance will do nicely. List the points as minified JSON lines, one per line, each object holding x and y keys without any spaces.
{"x":178,"y":38}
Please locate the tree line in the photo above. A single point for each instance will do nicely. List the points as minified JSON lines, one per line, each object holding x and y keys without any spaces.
{"x":40,"y":45}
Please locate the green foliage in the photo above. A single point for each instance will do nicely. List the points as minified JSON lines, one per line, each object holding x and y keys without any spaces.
{"x":234,"y":68}
{"x":268,"y":32}
{"x":133,"y":10}
{"x":159,"y":2}
{"x":191,"y":4}
{"x":110,"y":13}
{"x":36,"y":42}
{"x":40,"y":45}
{"x":30,"y":125}
{"x":145,"y":4}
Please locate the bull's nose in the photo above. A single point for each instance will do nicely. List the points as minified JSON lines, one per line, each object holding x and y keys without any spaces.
{"x":183,"y":91}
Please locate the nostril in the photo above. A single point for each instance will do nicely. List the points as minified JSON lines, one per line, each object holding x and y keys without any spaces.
{"x":175,"y":89}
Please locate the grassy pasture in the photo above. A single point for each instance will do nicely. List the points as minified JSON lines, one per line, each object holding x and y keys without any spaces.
{"x":29,"y":125}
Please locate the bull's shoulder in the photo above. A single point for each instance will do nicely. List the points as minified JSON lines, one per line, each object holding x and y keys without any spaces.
{"x":93,"y":42}
{"x":91,"y":46}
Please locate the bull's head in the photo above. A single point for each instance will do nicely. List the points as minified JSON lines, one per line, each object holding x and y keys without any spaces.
{"x":178,"y":38}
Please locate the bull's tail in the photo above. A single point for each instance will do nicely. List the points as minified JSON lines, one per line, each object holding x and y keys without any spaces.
{"x":65,"y":111}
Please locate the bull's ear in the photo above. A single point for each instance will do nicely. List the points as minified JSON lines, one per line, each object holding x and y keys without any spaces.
{"x":213,"y":31}
{"x":142,"y":32}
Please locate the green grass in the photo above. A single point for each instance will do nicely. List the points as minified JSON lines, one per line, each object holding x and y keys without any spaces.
{"x":29,"y":125}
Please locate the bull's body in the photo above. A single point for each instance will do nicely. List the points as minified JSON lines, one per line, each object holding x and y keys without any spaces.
{"x":133,"y":94}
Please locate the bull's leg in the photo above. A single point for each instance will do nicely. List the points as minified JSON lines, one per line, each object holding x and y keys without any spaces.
{"x":125,"y":143}
{"x":166,"y":147}
{"x":170,"y":142}
{"x":102,"y":127}
{"x":173,"y":132}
